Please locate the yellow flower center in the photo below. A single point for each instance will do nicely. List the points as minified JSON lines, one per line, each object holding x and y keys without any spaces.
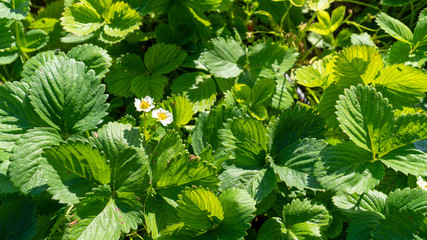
{"x":162,"y":116}
{"x":144,"y":105}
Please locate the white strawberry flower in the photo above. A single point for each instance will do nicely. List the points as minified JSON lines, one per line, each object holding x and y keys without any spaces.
{"x":421,"y":183}
{"x":144,"y":104}
{"x":165,"y":117}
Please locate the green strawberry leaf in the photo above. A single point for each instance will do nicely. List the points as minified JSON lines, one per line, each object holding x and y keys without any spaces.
{"x":93,"y":57}
{"x":366,"y":117}
{"x":200,"y":209}
{"x":258,"y":183}
{"x":163,"y":58}
{"x":406,"y":159}
{"x":16,"y":113}
{"x":181,"y":109}
{"x":78,"y":168}
{"x":395,"y":28}
{"x":121,"y":20}
{"x":14,"y":9}
{"x":28,"y":170}
{"x":238,"y":209}
{"x":81,"y":19}
{"x":99,"y":211}
{"x":347,"y":167}
{"x":17,"y":218}
{"x":357,"y":64}
{"x":67,"y":97}
{"x":124,"y":71}
{"x":149,"y":85}
{"x":34,"y":40}
{"x":30,"y":66}
{"x":182,"y":172}
{"x":223,"y":58}
{"x":198,"y":87}
{"x":6,"y":36}
{"x":294,"y":164}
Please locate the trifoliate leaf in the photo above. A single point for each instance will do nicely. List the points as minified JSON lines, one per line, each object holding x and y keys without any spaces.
{"x":149,"y":85}
{"x":6,"y":35}
{"x":200,"y":209}
{"x":17,"y":218}
{"x":258,"y":183}
{"x":163,"y":58}
{"x":79,"y":168}
{"x":238,"y":209}
{"x":347,"y":167}
{"x":184,"y":172}
{"x":67,"y":97}
{"x":292,"y":125}
{"x":198,"y":87}
{"x":394,"y":27}
{"x":30,"y":66}
{"x":181,"y":109}
{"x":93,"y":57}
{"x":121,"y":20}
{"x":34,"y":40}
{"x":122,"y":73}
{"x":81,"y":19}
{"x":28,"y":169}
{"x":14,"y":9}
{"x":357,"y":64}
{"x":365,"y":116}
{"x":17,"y":114}
{"x":223,"y":58}
{"x":294,"y":164}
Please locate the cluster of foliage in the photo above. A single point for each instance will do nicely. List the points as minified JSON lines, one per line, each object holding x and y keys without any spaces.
{"x":164,"y":119}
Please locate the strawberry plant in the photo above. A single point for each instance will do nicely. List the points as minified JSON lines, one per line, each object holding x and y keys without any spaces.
{"x":220,"y":119}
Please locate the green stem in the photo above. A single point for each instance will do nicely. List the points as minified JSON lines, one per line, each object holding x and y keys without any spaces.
{"x":284,"y":16}
{"x":359,"y":26}
{"x":360,"y":3}
{"x":18,"y":42}
{"x":304,"y":29}
{"x":6,"y":72}
{"x":313,"y":94}
{"x":146,"y":135}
